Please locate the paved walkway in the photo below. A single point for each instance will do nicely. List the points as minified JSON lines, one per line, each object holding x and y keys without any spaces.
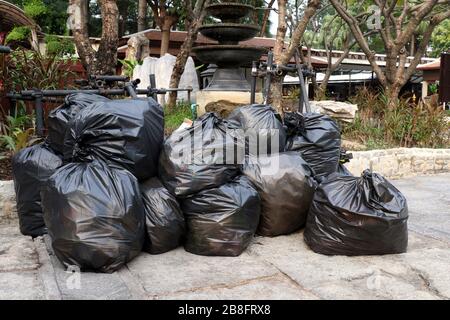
{"x":271,"y":268}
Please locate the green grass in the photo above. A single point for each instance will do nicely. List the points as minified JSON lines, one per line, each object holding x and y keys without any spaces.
{"x":174,"y":117}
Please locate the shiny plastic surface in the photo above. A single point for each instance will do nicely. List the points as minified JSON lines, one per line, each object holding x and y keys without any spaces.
{"x":126,"y":133}
{"x":201,"y":166}
{"x":260,"y":118}
{"x":319,"y":141}
{"x":95,"y":216}
{"x":286,"y":186}
{"x":59,"y":118}
{"x":31,"y":168}
{"x":363,"y":215}
{"x":222,"y":221}
{"x":165,"y":225}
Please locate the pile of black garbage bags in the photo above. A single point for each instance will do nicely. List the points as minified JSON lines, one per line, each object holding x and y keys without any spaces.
{"x":106,"y":185}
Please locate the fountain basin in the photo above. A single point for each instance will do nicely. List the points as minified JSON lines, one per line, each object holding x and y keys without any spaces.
{"x":229,"y":33}
{"x":228,"y":55}
{"x":229,"y":12}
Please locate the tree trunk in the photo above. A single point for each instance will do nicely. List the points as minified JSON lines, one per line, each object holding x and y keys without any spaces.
{"x":276,"y":93}
{"x":103,"y":61}
{"x":165,"y":41}
{"x":78,"y":16}
{"x":198,"y":16}
{"x":166,"y":24}
{"x":392,"y":92}
{"x":106,"y":57}
{"x":142,"y":15}
{"x":282,"y":55}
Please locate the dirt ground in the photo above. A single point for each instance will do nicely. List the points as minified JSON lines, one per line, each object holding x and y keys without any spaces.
{"x":5,"y":169}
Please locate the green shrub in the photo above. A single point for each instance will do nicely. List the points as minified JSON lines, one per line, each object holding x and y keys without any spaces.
{"x":174,"y":117}
{"x":18,"y":34}
{"x":34,"y":8}
{"x":407,"y":125}
{"x":59,"y":46}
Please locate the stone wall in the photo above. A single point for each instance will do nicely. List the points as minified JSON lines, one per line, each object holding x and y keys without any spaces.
{"x":7,"y":201}
{"x":401,"y":162}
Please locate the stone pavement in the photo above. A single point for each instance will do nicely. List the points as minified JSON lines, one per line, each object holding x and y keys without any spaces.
{"x":271,"y":268}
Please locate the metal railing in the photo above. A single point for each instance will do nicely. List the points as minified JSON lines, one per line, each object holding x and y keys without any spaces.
{"x":102,"y":85}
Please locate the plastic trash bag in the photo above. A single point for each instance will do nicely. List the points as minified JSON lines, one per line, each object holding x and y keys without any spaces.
{"x":59,"y":118}
{"x":128,"y":133}
{"x":31,"y":167}
{"x":264,"y":120}
{"x":222,"y":221}
{"x":164,"y":220}
{"x":318,"y":139}
{"x":286,"y":186}
{"x":363,"y":215}
{"x":193,"y":159}
{"x":95,"y":216}
{"x":342,"y":170}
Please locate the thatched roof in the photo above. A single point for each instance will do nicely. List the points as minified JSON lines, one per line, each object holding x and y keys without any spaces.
{"x":12,"y":16}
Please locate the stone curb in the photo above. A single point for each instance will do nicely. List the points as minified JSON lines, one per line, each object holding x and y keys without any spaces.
{"x":46,"y":270}
{"x":401,"y":162}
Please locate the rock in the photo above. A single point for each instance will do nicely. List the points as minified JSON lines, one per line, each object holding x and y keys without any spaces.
{"x":8,"y":209}
{"x":352,"y":145}
{"x":162,"y":69}
{"x":339,"y":110}
{"x":138,"y":47}
{"x":222,"y":107}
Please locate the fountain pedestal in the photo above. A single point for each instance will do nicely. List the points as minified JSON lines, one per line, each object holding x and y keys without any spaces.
{"x":228,"y":82}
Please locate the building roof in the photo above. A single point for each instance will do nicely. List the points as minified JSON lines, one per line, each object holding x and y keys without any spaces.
{"x":434,"y":65}
{"x":354,"y":60}
{"x":12,"y":16}
{"x":177,"y":38}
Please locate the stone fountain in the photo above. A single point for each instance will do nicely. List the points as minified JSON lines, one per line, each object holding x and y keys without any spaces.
{"x":228,"y":82}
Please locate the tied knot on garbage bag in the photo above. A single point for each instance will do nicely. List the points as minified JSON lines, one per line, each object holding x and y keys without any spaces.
{"x":81,"y":153}
{"x":126,"y":133}
{"x":317,"y":138}
{"x":295,"y":123}
{"x":198,"y":157}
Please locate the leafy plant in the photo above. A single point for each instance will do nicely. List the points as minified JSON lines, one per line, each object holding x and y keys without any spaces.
{"x":18,"y":34}
{"x":59,"y":46}
{"x":35,"y":8}
{"x":433,"y":88}
{"x":27,"y":69}
{"x":16,"y":134}
{"x":174,"y":117}
{"x":129,"y":66}
{"x":407,"y":125}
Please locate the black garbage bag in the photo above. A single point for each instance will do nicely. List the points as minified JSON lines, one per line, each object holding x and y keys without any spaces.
{"x":342,"y":170}
{"x":95,"y":215}
{"x":264,"y":121}
{"x":222,"y":221}
{"x":318,"y":139}
{"x":194,"y":159}
{"x":59,"y":118}
{"x":164,"y":220}
{"x":352,"y":216}
{"x":31,"y":168}
{"x":286,"y":186}
{"x":127,"y":132}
